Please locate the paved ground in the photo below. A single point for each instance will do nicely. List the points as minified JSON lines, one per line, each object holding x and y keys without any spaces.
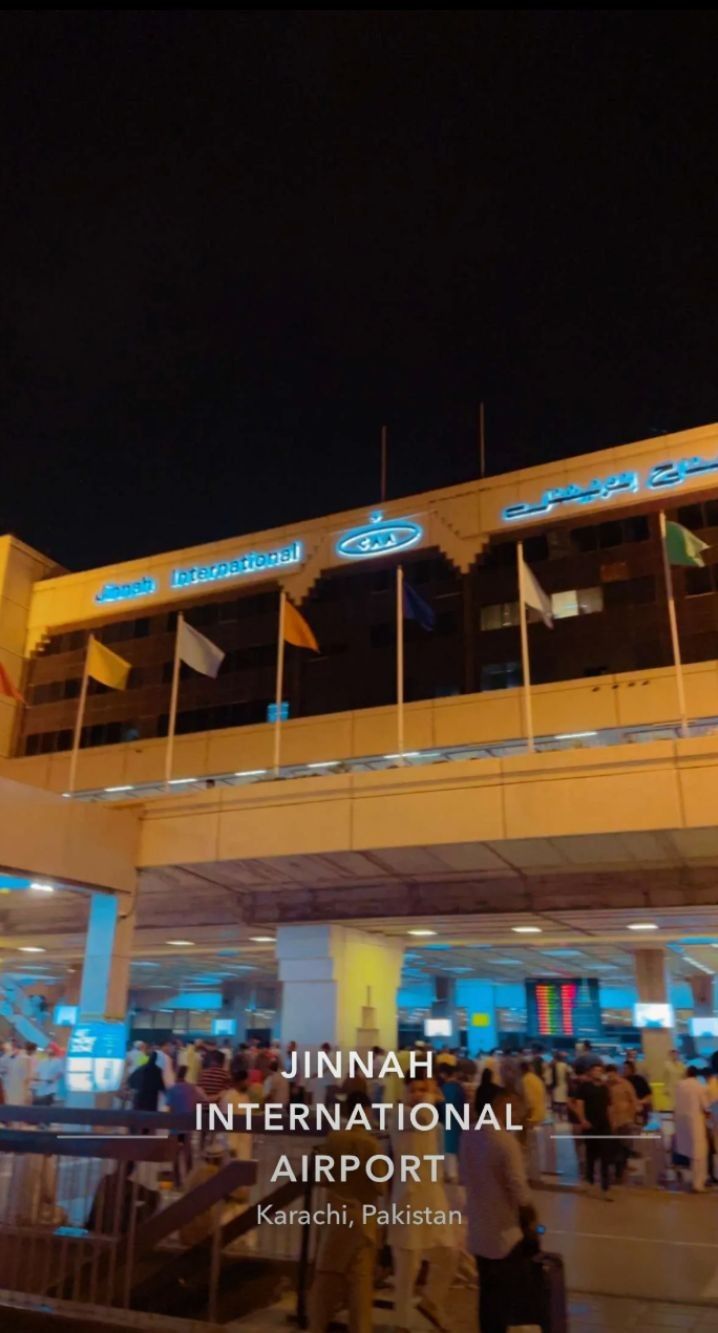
{"x":587,"y":1314}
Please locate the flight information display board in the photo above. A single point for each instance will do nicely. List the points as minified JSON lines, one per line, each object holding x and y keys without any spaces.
{"x":563,"y":1008}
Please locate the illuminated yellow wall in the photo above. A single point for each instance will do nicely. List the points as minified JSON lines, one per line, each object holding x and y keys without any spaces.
{"x":20,"y":568}
{"x":626,"y":700}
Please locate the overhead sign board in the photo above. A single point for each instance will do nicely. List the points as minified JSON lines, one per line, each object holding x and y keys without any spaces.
{"x":96,"y":1057}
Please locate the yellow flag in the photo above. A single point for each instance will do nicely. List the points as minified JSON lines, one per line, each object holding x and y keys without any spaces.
{"x":107,"y":667}
{"x":296,"y":629}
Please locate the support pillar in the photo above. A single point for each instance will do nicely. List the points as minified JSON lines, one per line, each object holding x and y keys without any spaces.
{"x":338,"y":985}
{"x":95,"y":1058}
{"x":106,"y":967}
{"x":652,"y":986}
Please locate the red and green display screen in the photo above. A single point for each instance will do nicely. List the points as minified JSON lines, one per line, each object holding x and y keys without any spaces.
{"x":563,"y":1008}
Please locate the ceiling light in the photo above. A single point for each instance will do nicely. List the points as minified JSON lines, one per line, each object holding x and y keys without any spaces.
{"x":421,"y":932}
{"x":251,"y":773}
{"x":39,"y":887}
{"x":262,"y":939}
{"x":177,"y":782}
{"x":127,"y":787}
{"x":408,"y":754}
{"x":508,"y":962}
{"x":31,"y":948}
{"x":181,"y":944}
{"x":324,"y":763}
{"x":526,"y":930}
{"x":573,"y":735}
{"x":643,"y":925}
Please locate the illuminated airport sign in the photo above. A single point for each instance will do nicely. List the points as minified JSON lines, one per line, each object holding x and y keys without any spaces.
{"x":379,"y":537}
{"x":96,"y":1057}
{"x":125,"y":592}
{"x":662,"y":476}
{"x":252,"y":562}
{"x":217,"y":571}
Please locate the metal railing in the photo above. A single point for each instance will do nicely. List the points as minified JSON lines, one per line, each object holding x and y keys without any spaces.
{"x":92,"y":1211}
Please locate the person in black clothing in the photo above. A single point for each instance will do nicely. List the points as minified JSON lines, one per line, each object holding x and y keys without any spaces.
{"x":147,"y":1083}
{"x":593,"y":1103}
{"x":641,"y":1087}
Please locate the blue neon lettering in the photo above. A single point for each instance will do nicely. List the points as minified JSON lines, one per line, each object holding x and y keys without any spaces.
{"x":379,"y":537}
{"x":661,"y":476}
{"x":120,"y":592}
{"x":292,"y":554}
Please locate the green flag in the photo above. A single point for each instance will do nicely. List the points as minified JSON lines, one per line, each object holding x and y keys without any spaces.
{"x":683,"y":547}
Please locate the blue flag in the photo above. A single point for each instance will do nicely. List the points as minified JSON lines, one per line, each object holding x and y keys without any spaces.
{"x":415,"y":608}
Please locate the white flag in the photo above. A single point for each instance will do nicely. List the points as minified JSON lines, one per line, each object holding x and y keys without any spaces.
{"x":197,"y":651}
{"x":535,"y":597}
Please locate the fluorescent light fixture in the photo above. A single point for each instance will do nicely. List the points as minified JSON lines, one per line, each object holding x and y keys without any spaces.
{"x":573,"y":735}
{"x":251,"y":773}
{"x":643,"y":925}
{"x":38,"y":887}
{"x":508,"y":962}
{"x":178,"y":782}
{"x":181,"y":944}
{"x":526,"y":930}
{"x":31,"y":948}
{"x":67,"y":795}
{"x":126,"y":787}
{"x":421,"y":932}
{"x":408,"y":754}
{"x":694,"y":962}
{"x":262,"y":939}
{"x":324,"y":763}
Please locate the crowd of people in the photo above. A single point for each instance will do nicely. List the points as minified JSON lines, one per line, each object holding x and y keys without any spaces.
{"x":30,"y":1077}
{"x":604,"y":1104}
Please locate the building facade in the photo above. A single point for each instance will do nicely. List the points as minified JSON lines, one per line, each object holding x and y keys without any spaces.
{"x":590,"y":531}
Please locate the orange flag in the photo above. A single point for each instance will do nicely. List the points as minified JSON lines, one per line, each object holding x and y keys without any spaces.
{"x":296,"y":629}
{"x":7,"y":688}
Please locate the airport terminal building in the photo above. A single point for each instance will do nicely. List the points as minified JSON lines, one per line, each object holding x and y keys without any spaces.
{"x":440,"y":871}
{"x":589,"y":526}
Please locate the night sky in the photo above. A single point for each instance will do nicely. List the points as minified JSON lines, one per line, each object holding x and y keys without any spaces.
{"x":233,"y":245}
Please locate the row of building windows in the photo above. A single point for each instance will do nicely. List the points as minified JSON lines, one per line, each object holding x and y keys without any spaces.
{"x":578,"y":601}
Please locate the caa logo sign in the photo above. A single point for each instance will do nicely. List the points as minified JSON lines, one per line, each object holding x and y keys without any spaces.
{"x":379,"y":537}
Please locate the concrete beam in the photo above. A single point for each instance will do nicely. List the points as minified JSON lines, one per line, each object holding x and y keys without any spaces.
{"x":45,"y":837}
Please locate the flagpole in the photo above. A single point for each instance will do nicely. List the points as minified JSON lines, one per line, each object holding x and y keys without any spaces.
{"x":172,"y":719}
{"x":280,"y":683}
{"x":680,"y":687}
{"x":525,"y":665}
{"x":400,"y":662}
{"x":80,"y":718}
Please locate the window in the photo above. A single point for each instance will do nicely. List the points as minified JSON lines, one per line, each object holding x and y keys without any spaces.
{"x":535,"y":549}
{"x":501,"y":556}
{"x":585,"y":539}
{"x":691,"y":516}
{"x":576,"y":602}
{"x":610,"y":534}
{"x":698,"y":582}
{"x":501,"y":676}
{"x":500,"y":615}
{"x":637,"y":529}
{"x":631,"y":592}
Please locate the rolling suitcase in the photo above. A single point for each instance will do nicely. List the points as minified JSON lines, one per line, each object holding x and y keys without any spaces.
{"x":540,"y":1300}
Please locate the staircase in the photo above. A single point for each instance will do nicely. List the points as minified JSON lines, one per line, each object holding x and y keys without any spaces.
{"x":20,"y":1015}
